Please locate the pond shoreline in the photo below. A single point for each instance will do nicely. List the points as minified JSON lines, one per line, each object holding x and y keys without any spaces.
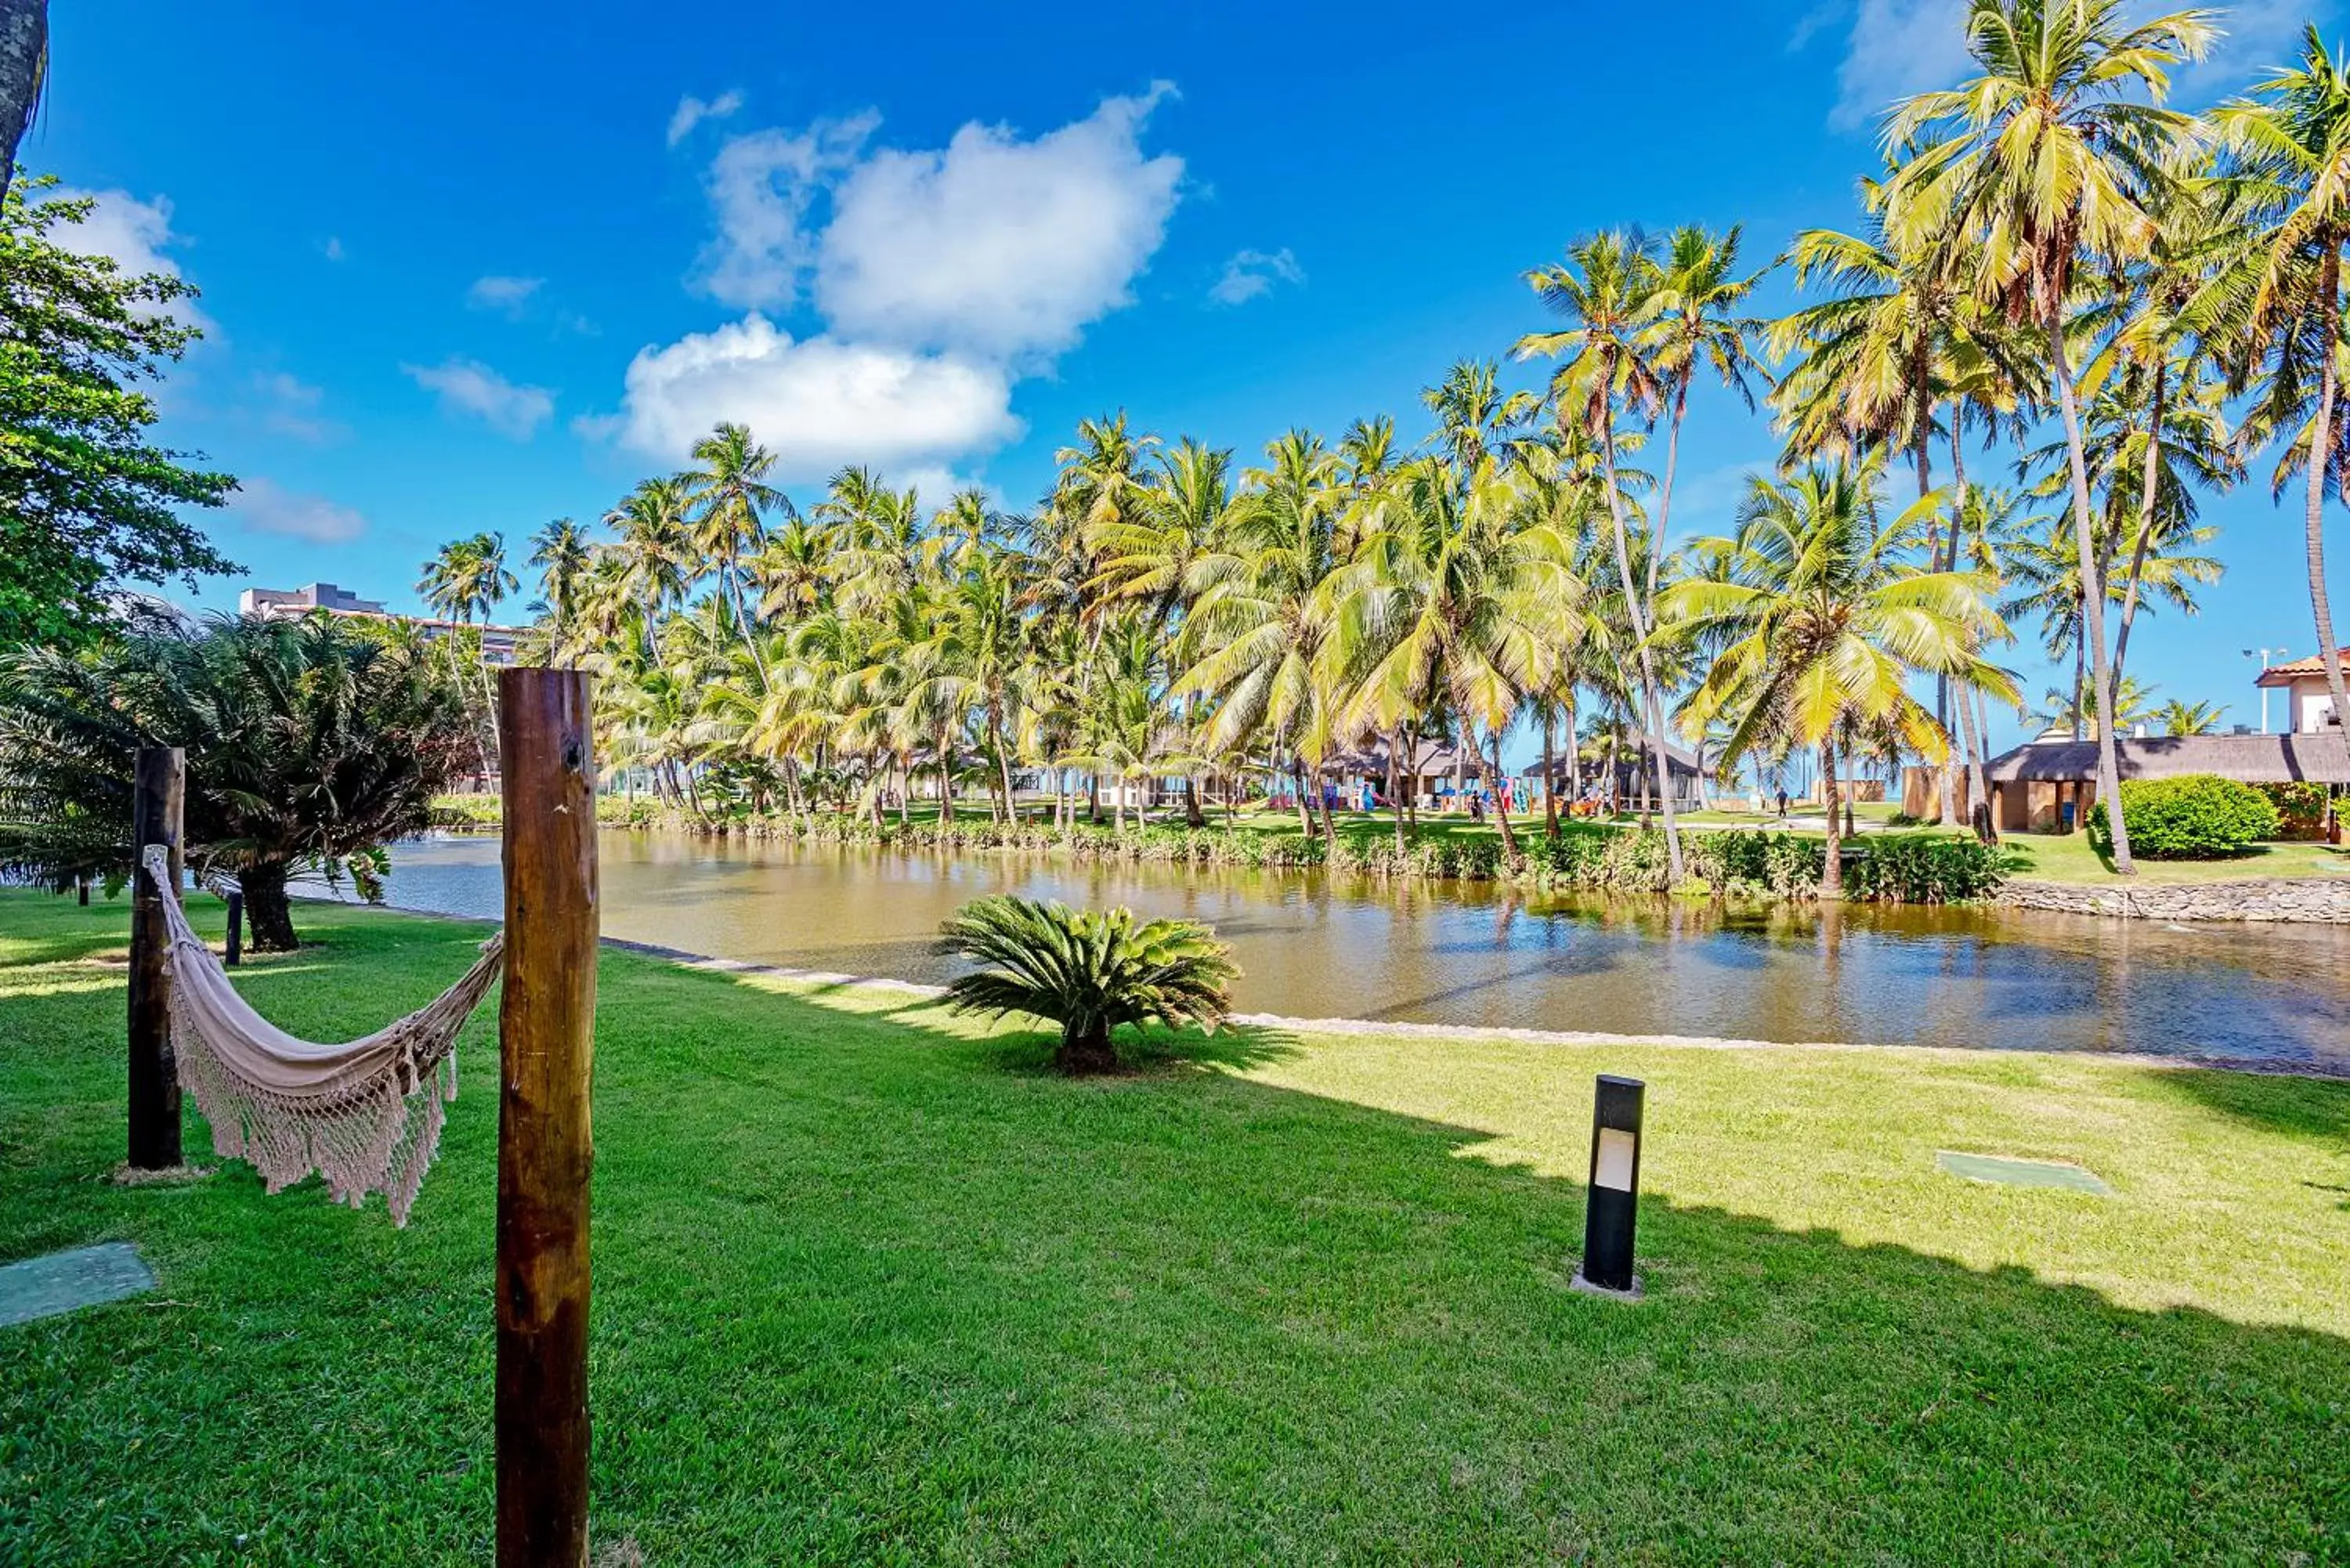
{"x":1436,"y":1032}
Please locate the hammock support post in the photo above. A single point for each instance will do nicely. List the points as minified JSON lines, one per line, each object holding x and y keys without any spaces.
{"x":154,"y":1104}
{"x":545,"y":1032}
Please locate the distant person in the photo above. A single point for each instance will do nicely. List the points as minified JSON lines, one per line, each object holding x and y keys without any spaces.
{"x":1783,"y":803}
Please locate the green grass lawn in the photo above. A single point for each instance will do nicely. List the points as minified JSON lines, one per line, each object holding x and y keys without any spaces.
{"x":2070,"y":858}
{"x":871,"y":1287}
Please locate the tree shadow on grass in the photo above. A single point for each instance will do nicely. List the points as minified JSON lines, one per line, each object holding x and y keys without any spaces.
{"x":2279,"y":1101}
{"x":862,"y":1294}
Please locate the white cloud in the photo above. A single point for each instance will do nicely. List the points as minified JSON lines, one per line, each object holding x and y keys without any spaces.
{"x":944,"y":276}
{"x":1896,"y":48}
{"x":266,"y":508}
{"x":333,"y":248}
{"x":469,"y":387}
{"x":994,"y":245}
{"x":509,"y":297}
{"x":818,"y":403}
{"x":1250,"y":274}
{"x":691,"y":111}
{"x":762,"y":185}
{"x":289,"y":406}
{"x":134,"y":233}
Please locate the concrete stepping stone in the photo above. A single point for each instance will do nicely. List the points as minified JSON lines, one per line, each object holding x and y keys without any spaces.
{"x":66,"y":1282}
{"x":2008,"y":1173}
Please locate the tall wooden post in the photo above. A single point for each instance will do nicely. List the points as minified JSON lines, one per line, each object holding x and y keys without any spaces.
{"x":546,"y":1044}
{"x":154,"y":1076}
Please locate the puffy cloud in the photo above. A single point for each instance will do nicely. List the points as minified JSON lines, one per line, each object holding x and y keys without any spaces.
{"x":509,"y":297}
{"x":266,"y":508}
{"x":818,"y":403}
{"x":134,"y":233}
{"x":1250,"y":274}
{"x":1896,"y":48}
{"x":762,"y":186}
{"x":993,"y":244}
{"x":691,"y":111}
{"x":468,"y":386}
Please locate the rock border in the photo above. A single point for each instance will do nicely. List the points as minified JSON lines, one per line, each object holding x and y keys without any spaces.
{"x":2311,"y":900}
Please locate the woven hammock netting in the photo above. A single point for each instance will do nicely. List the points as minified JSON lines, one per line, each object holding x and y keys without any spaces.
{"x":366,"y":1115}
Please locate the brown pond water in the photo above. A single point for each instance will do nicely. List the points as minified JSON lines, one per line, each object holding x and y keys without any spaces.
{"x":1317,"y":946}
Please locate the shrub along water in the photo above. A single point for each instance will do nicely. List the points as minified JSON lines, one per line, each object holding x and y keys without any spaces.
{"x":1906,"y":867}
{"x":2198,"y":816}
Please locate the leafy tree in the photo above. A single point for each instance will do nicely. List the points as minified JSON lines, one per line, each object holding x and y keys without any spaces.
{"x":1088,"y":971}
{"x":309,"y":744}
{"x":87,"y":502}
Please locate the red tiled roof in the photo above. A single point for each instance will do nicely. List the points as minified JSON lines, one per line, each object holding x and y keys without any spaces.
{"x":2296,"y":669}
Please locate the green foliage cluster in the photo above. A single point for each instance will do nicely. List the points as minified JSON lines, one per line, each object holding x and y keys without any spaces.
{"x":309,"y":744}
{"x":87,"y":502}
{"x":1924,"y":869}
{"x":2198,"y":816}
{"x":1088,"y":970}
{"x":2301,"y":808}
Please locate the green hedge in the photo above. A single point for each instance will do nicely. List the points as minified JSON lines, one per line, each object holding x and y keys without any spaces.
{"x":2196,"y":817}
{"x":1920,"y":867}
{"x":2300,"y":809}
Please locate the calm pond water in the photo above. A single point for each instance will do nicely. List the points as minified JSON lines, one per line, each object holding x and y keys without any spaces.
{"x":1315,"y":945}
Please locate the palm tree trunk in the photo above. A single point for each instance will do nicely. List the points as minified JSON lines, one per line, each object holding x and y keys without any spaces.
{"x":2329,"y":651}
{"x":1002,"y":758}
{"x":2093,"y":606}
{"x":1832,"y":868}
{"x":1192,"y":815}
{"x":1305,"y":811}
{"x":1550,"y":771}
{"x":1654,"y":712}
{"x":2148,"y":488}
{"x":1395,"y":799}
{"x":946,"y":776}
{"x":1492,"y":770}
{"x":266,"y":906}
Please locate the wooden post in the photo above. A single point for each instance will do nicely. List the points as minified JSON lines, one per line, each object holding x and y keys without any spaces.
{"x":154,"y":1076}
{"x":546,"y":1041}
{"x":235,"y":954}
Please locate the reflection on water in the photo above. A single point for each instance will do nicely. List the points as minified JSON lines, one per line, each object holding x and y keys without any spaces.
{"x":1321,"y":946}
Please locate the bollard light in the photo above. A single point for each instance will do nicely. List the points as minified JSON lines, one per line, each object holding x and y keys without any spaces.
{"x":1611,"y":1209}
{"x":235,"y":931}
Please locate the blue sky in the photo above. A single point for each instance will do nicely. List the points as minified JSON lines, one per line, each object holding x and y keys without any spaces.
{"x":470,"y":267}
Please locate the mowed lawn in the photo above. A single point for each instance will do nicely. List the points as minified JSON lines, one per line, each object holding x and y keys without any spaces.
{"x":871,"y":1287}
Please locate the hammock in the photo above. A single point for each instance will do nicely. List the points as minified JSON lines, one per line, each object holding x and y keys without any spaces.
{"x":290,"y":1107}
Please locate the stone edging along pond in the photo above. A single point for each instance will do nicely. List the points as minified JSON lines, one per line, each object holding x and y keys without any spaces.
{"x":2317,"y":901}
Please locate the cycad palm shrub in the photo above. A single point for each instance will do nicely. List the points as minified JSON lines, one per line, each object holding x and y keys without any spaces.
{"x":1089,"y":971}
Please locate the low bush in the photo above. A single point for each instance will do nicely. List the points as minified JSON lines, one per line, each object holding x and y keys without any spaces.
{"x":1923,"y":868}
{"x":2300,"y":809}
{"x":2197,"y":817}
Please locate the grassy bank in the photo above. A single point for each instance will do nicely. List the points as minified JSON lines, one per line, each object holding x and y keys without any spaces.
{"x":2071,"y":857}
{"x":871,"y":1287}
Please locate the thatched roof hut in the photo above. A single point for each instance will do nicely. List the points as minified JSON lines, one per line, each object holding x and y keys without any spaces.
{"x":2248,"y":759}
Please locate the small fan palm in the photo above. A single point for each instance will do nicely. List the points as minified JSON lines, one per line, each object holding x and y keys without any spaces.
{"x":1088,"y":971}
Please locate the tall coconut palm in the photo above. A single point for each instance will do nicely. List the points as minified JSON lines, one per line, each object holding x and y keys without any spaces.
{"x":1456,"y":589}
{"x":2041,"y":163}
{"x":1253,"y":639}
{"x":1605,"y":288}
{"x":654,"y":547}
{"x":560,"y":551}
{"x":1822,"y":621}
{"x":2289,"y":146}
{"x":728,"y":493}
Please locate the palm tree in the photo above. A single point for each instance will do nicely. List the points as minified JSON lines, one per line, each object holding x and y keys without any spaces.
{"x":728,"y":494}
{"x":1089,"y":972}
{"x":2041,"y":163}
{"x":655,"y":549}
{"x":2177,"y":718}
{"x":2289,"y":146}
{"x":1252,"y":639}
{"x":1697,"y":328}
{"x":560,"y":551}
{"x":1452,"y":590}
{"x":1605,"y":289}
{"x":1822,"y":621}
{"x":310,"y":743}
